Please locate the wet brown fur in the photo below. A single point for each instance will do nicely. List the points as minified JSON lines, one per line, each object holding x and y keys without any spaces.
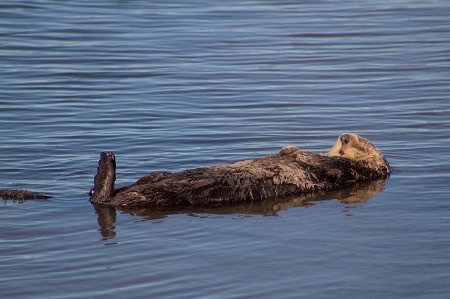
{"x":21,"y":195}
{"x":360,"y":150}
{"x":292,"y":171}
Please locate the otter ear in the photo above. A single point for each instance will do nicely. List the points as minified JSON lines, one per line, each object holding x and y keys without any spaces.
{"x":344,"y":138}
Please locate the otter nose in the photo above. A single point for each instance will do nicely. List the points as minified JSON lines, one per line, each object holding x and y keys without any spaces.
{"x":344,"y":139}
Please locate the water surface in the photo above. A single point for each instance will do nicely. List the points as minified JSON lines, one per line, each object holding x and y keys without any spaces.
{"x":171,"y":85}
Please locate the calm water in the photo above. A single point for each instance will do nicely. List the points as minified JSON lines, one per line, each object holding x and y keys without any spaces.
{"x":170,"y":85}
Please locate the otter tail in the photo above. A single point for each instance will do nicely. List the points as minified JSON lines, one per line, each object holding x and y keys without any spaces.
{"x":104,"y":180}
{"x":22,"y":195}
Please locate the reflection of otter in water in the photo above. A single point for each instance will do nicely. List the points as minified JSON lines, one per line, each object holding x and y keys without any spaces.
{"x":357,"y":193}
{"x":292,"y":171}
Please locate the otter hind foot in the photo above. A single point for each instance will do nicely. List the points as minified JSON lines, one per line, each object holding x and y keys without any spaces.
{"x":104,"y":180}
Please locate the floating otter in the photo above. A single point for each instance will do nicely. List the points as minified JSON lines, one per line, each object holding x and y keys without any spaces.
{"x":292,"y":171}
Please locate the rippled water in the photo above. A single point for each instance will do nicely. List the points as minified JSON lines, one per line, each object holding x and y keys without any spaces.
{"x":170,"y":85}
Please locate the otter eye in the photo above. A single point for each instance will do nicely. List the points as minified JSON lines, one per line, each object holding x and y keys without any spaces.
{"x":344,"y":139}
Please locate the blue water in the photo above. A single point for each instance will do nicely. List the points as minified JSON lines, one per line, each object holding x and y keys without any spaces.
{"x":171,"y":85}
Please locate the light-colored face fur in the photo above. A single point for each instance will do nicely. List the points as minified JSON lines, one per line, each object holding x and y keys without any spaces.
{"x":358,"y":148}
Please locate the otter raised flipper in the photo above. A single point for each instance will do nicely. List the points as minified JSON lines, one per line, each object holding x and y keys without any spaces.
{"x":352,"y":159}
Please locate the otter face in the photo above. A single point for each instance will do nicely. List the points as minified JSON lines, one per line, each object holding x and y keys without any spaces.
{"x":358,"y":148}
{"x":104,"y":180}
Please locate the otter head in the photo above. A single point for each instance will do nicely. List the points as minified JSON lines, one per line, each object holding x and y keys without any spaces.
{"x":104,"y":180}
{"x":360,"y":150}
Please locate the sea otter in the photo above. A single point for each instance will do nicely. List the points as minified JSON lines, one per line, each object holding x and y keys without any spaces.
{"x":292,"y":171}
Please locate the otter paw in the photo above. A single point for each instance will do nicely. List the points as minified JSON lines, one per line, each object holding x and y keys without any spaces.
{"x":287,"y":150}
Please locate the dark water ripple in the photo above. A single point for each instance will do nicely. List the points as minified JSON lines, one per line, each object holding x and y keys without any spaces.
{"x":170,"y":85}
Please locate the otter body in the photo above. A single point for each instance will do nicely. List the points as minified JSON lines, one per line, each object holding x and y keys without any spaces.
{"x":292,"y":171}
